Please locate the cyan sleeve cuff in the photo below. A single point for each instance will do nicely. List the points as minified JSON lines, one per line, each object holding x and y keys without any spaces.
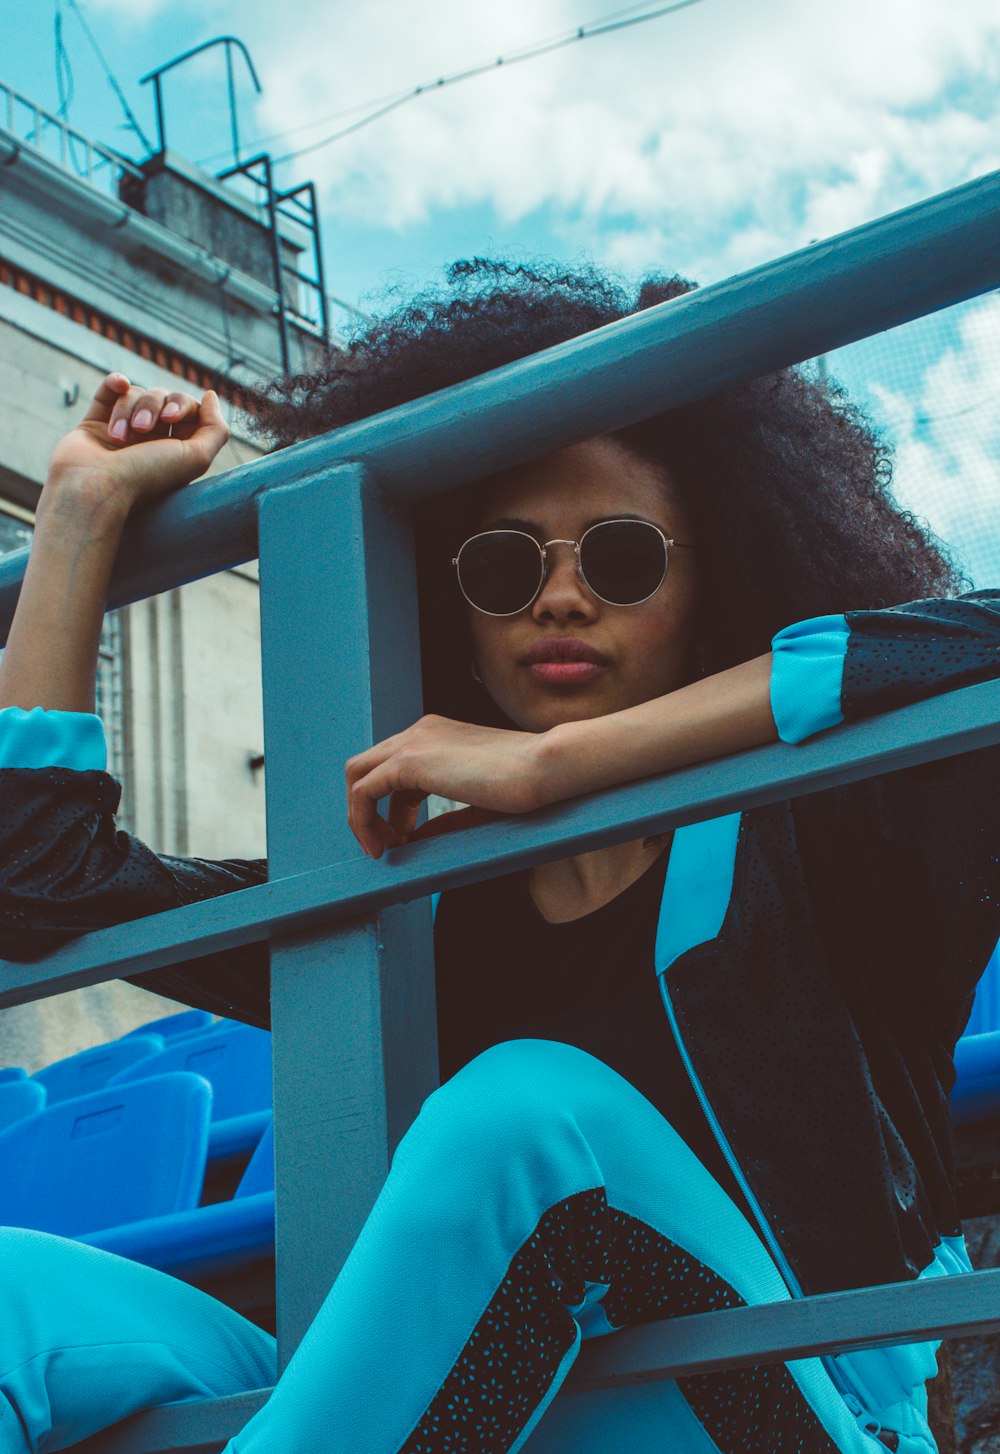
{"x":806,"y":676}
{"x":52,"y":739}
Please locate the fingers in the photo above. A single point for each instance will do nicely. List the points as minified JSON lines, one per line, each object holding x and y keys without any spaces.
{"x":363,"y":819}
{"x":364,"y":793}
{"x":140,"y":413}
{"x":372,"y":832}
{"x":109,"y":391}
{"x":400,"y":768}
{"x":131,"y":414}
{"x":404,"y":810}
{"x":203,"y":426}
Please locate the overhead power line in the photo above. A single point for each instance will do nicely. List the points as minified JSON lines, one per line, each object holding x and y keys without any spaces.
{"x":583,"y":32}
{"x":380,"y":106}
{"x":64,"y":69}
{"x":130,"y":118}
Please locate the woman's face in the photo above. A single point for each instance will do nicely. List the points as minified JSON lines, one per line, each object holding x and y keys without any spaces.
{"x":639,"y":651}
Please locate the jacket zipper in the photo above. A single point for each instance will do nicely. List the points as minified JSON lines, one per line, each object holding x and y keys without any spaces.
{"x":866,"y":1421}
{"x":771,"y":1241}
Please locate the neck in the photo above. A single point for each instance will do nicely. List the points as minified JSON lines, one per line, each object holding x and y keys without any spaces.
{"x":577,"y":886}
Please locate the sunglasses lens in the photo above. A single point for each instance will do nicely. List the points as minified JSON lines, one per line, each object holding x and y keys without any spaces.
{"x":623,"y":561}
{"x":500,"y":571}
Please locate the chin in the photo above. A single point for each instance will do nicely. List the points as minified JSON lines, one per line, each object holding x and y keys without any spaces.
{"x":542,"y":716}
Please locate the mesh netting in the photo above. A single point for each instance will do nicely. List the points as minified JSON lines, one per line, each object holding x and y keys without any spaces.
{"x":933,"y":387}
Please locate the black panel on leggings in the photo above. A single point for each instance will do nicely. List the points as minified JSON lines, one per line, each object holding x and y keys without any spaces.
{"x":508,"y":1364}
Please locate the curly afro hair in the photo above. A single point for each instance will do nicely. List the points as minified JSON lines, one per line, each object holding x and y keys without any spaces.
{"x":787,"y":484}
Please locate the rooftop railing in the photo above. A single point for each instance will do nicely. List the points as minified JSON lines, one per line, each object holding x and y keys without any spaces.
{"x":354,"y":1035}
{"x":53,"y":136}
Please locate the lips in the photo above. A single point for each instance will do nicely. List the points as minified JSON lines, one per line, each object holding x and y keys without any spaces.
{"x":563,"y":649}
{"x":564,"y":662}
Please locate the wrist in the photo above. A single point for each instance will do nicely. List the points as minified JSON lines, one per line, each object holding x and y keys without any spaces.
{"x":85,"y":498}
{"x":569,"y":759}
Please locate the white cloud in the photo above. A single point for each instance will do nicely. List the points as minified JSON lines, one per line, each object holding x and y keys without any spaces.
{"x":947,"y":435}
{"x":728,"y":131}
{"x":724,"y":133}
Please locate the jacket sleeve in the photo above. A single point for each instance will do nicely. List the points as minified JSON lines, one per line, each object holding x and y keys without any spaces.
{"x":66,"y":868}
{"x":928,"y":837}
{"x":839,"y":668}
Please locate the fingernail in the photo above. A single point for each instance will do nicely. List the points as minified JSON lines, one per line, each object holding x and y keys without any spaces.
{"x":169,"y":410}
{"x":142,"y":420}
{"x":119,"y":429}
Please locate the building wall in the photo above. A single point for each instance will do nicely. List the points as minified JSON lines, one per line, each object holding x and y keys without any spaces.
{"x":191,"y":696}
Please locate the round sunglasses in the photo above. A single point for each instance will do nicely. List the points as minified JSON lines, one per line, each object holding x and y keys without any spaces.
{"x":623,"y":562}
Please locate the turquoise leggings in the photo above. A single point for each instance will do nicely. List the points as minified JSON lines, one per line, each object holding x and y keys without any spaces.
{"x":537,"y":1199}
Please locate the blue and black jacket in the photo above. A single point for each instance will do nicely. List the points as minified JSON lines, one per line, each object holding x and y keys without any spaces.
{"x":817,"y":957}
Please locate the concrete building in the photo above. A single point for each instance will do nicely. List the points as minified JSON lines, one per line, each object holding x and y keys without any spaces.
{"x":173,"y":278}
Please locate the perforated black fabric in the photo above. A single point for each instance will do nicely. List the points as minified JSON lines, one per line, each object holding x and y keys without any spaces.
{"x":66,"y":869}
{"x":508,"y":1364}
{"x":905,"y":653}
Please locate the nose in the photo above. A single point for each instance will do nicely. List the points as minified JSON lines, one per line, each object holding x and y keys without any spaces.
{"x":565,"y":595}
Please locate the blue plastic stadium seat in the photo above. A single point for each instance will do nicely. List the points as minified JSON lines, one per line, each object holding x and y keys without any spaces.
{"x":236,"y":1061}
{"x":985,"y":1016}
{"x":12,"y":1072}
{"x":976,"y":1096}
{"x":185,"y":1022}
{"x":89,"y":1070}
{"x":20,"y":1098}
{"x":207,"y":1240}
{"x":119,"y":1154}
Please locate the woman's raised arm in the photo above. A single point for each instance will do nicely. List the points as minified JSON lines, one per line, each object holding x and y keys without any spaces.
{"x":65,"y":867}
{"x":118,"y":457}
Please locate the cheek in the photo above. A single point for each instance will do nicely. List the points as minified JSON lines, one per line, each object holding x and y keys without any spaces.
{"x":662,"y":642}
{"x":487,"y":636}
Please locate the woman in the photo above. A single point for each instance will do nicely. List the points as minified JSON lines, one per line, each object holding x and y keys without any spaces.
{"x":681,"y":1074}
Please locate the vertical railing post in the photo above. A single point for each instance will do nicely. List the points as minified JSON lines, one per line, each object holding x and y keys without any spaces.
{"x":354,"y":1033}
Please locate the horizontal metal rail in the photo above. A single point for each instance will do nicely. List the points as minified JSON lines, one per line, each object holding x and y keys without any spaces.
{"x":33,"y":125}
{"x":946,"y":725}
{"x":872,"y":1317}
{"x":191,"y":1428}
{"x":923,"y":258}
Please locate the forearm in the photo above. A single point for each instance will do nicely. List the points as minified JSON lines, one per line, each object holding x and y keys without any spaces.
{"x":132,"y":447}
{"x":51,"y":655}
{"x":714,"y":717}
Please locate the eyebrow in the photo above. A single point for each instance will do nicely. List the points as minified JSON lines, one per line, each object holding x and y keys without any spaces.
{"x":530,"y":527}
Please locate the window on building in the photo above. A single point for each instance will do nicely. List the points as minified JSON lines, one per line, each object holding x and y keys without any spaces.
{"x":15,"y":534}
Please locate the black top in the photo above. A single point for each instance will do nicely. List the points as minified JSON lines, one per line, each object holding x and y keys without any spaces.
{"x":506,"y":973}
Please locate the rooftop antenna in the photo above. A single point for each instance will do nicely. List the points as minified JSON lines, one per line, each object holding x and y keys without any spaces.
{"x":229,"y":41}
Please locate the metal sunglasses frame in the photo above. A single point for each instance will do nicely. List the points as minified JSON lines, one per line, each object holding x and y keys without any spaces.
{"x":667,"y":540}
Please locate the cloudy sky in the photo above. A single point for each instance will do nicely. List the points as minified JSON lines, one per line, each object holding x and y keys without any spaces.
{"x":701,"y":142}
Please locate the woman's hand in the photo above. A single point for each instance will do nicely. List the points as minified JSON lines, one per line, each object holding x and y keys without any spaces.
{"x":137,"y":444}
{"x":485,"y":766}
{"x":120,"y":455}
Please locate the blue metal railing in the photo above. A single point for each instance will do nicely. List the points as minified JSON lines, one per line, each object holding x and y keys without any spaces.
{"x":352,"y":980}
